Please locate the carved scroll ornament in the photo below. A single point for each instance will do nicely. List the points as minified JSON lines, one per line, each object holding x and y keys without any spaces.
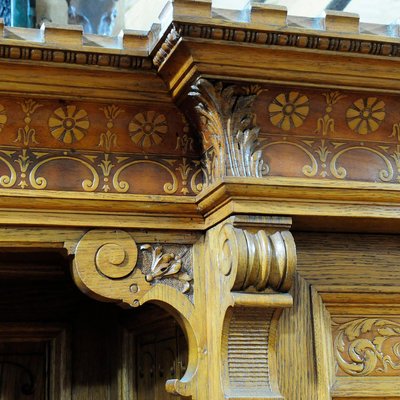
{"x":368,"y":346}
{"x":257,"y":259}
{"x":107,"y":265}
{"x":254,"y":260}
{"x":228,"y":126}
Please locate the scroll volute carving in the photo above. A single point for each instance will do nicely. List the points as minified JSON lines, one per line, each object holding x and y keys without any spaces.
{"x":256,"y":257}
{"x":253,"y":261}
{"x":104,"y":267}
{"x":229,"y":133}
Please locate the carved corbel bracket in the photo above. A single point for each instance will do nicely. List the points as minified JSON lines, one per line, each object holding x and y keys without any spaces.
{"x":109,"y":266}
{"x":258,"y":258}
{"x":227,"y":290}
{"x":252,"y":262}
{"x":223,"y":115}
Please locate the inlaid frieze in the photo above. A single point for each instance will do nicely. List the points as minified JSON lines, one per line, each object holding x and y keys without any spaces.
{"x":263,"y":131}
{"x":332,"y":114}
{"x":99,"y":147}
{"x":329,"y":134}
{"x":93,"y":126}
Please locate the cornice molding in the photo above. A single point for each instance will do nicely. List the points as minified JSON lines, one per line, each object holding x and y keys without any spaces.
{"x":81,"y":57}
{"x":264,"y":25}
{"x":217,"y":49}
{"x":367,"y":44}
{"x":313,"y":204}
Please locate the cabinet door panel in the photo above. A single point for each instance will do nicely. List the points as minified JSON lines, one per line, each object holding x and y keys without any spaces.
{"x":146,"y":372}
{"x":166,"y":367}
{"x":23,"y":371}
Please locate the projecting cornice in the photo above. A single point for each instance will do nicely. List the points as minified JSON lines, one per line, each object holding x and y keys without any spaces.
{"x":267,"y":48}
{"x":285,"y":120}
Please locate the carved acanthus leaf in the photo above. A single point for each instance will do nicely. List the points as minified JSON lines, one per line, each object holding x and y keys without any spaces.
{"x":166,"y":265}
{"x":227,"y":121}
{"x":368,"y":346}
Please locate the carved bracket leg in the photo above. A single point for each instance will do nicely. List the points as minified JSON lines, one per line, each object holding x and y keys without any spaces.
{"x":227,"y":291}
{"x":250,"y":267}
{"x":110,"y":266}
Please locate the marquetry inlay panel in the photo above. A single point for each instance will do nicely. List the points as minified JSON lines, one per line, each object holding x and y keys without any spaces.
{"x":329,"y":134}
{"x":260,"y":131}
{"x":98,"y":147}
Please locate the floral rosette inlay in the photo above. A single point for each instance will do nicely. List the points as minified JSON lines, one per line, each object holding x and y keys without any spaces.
{"x":148,"y":128}
{"x":366,"y":115}
{"x":3,"y":117}
{"x":69,"y":124}
{"x":289,"y":110}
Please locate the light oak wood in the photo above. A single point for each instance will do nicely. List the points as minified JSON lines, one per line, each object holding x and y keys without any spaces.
{"x":246,"y":132}
{"x":242,"y":253}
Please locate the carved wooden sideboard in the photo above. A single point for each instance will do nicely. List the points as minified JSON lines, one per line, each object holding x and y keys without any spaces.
{"x":241,"y":177}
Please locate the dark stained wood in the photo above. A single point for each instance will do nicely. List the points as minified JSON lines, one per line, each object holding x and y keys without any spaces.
{"x":38,"y":298}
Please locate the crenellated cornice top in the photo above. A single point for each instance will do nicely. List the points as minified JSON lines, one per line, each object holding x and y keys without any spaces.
{"x":265,"y":25}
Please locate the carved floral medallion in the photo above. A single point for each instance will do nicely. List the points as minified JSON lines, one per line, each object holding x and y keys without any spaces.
{"x":148,"y":128}
{"x":289,"y":110}
{"x":366,"y":115}
{"x":69,"y":124}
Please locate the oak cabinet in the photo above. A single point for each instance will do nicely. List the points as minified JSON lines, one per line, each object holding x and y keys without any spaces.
{"x":57,"y":344}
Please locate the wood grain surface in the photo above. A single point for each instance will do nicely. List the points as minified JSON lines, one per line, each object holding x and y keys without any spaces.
{"x":167,"y":168}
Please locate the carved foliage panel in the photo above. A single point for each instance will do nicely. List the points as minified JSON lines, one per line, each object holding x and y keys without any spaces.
{"x":168,"y":264}
{"x":367,"y":346}
{"x":355,"y":313}
{"x":111,"y":265}
{"x":91,"y":147}
{"x":329,"y":134}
